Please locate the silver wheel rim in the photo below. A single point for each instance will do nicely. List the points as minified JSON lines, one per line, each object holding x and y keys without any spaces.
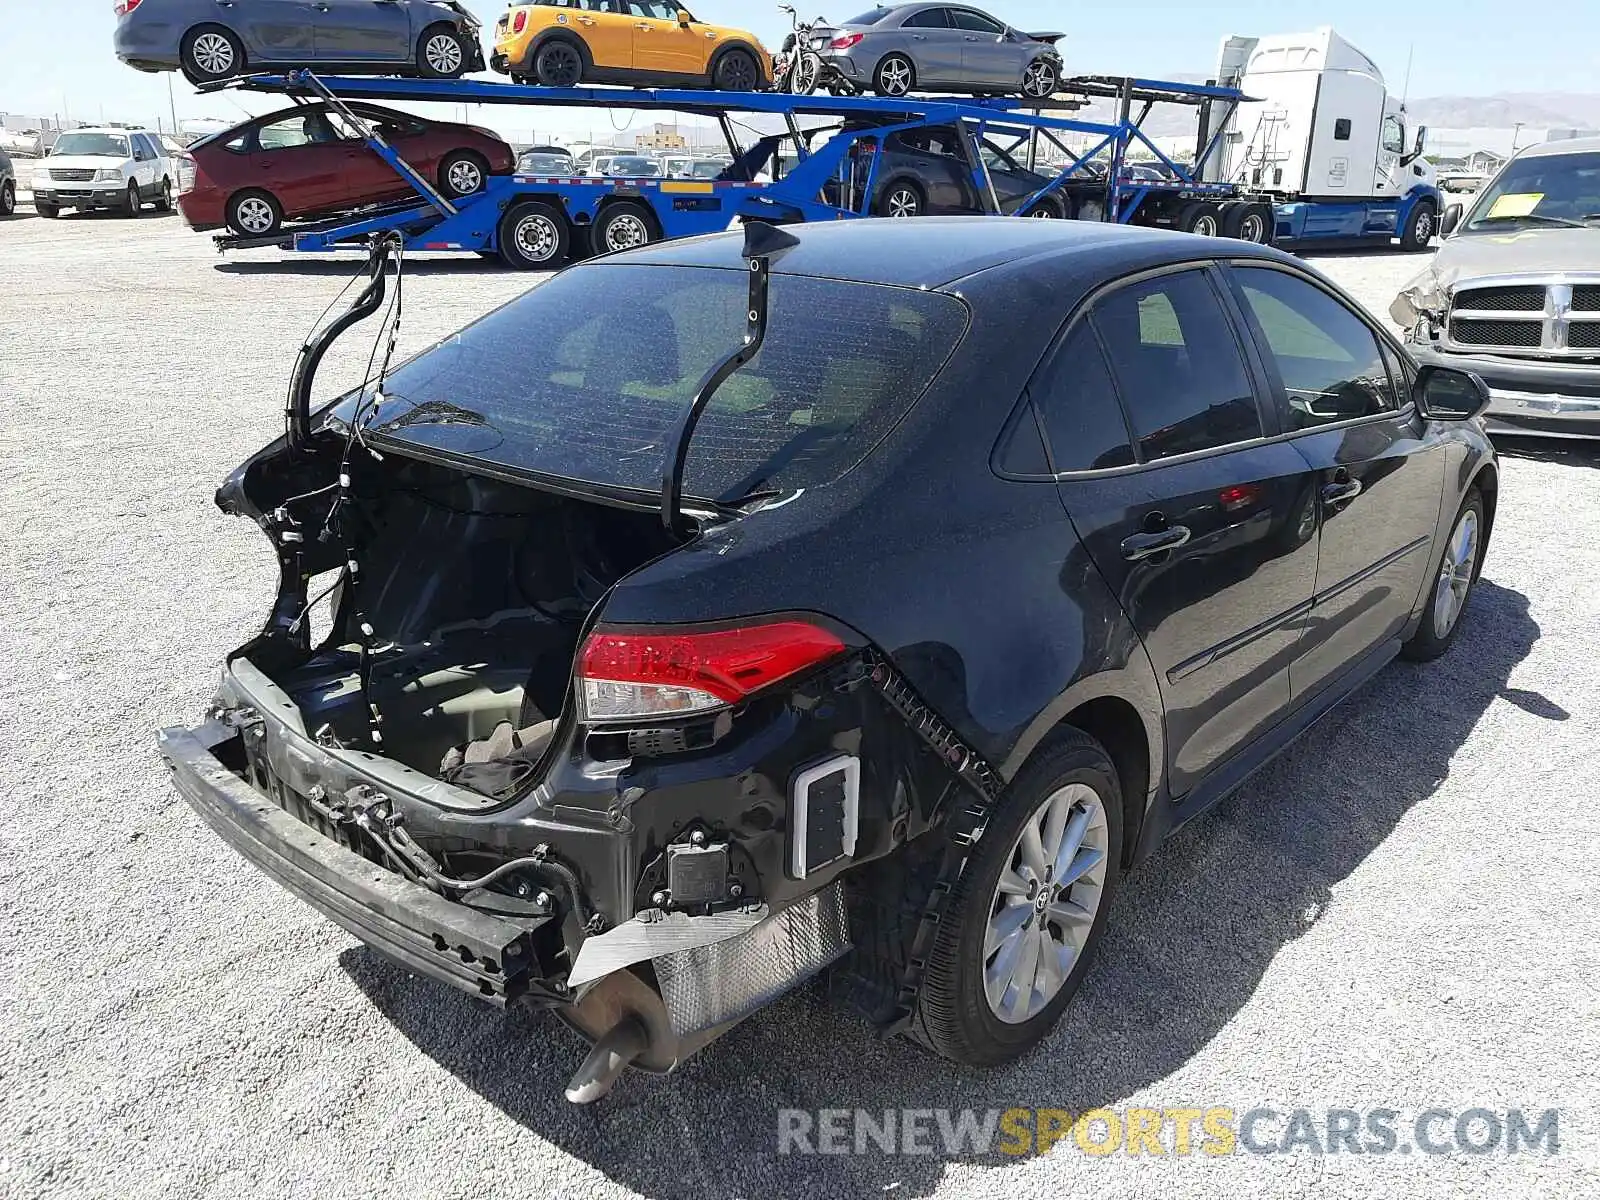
{"x":1042,"y":213}
{"x":903,"y":203}
{"x":536,"y":238}
{"x":1250,"y":228}
{"x":1045,"y":903}
{"x":1206,"y":227}
{"x":1455,"y":574}
{"x":8,"y":200}
{"x":1424,"y":227}
{"x":443,"y":53}
{"x":627,"y":232}
{"x":1037,"y":80}
{"x":804,"y":79}
{"x":464,"y":177}
{"x":213,"y":53}
{"x":896,"y":76}
{"x":253,"y":214}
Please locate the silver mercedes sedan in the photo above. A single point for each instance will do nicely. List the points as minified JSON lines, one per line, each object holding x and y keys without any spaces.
{"x":942,"y":47}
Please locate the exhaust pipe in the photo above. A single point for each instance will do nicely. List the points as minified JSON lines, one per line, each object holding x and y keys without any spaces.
{"x":608,"y":1059}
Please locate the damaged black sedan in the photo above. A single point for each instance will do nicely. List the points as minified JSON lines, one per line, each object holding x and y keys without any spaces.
{"x":867,"y":597}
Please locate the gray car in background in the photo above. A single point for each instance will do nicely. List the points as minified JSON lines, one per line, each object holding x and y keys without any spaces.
{"x":210,"y":40}
{"x":8,"y":185}
{"x":943,"y":47}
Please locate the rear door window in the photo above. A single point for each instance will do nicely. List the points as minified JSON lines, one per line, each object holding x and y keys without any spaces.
{"x":1078,"y":408}
{"x":933,"y":18}
{"x":1178,"y":365}
{"x":586,"y":377}
{"x":1329,"y":362}
{"x":965,"y":18}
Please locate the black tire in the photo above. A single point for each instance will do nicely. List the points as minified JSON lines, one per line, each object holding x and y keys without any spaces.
{"x":902,"y":198}
{"x":442,"y":53}
{"x":806,"y":74}
{"x":164,"y":199}
{"x":210,"y":53}
{"x":534,"y":235}
{"x":1202,"y":217}
{"x":895,"y":76}
{"x":625,"y":225}
{"x":48,"y":211}
{"x":1050,"y":209}
{"x":131,"y":204}
{"x":736,"y":71}
{"x":8,"y":199}
{"x":1429,"y":641}
{"x":463,"y":173}
{"x":558,"y":64}
{"x":953,"y":1016}
{"x":1248,"y":221}
{"x":1040,"y":79}
{"x":1420,"y":226}
{"x":254,"y":213}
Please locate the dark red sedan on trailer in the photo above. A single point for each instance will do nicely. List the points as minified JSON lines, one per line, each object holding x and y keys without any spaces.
{"x":310,"y":161}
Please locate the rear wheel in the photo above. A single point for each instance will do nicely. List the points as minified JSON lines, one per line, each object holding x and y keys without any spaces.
{"x":1459,"y":567}
{"x":624,"y":226}
{"x":558,"y":64}
{"x":1048,"y":209}
{"x":209,"y":53}
{"x":534,"y":235}
{"x":1248,"y":221}
{"x":441,"y":54}
{"x":736,"y":71}
{"x":461,"y":173}
{"x":1202,"y":217}
{"x":8,"y":198}
{"x":902,"y":199}
{"x":1021,"y":925}
{"x":1040,"y":80}
{"x":164,"y":201}
{"x":896,"y":76}
{"x":254,"y":214}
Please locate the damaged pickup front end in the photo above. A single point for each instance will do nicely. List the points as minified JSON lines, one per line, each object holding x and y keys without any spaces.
{"x":651,"y":830}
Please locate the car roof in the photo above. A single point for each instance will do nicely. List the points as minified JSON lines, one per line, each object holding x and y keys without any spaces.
{"x":937,"y":252}
{"x":107,"y":129}
{"x":1588,"y":145}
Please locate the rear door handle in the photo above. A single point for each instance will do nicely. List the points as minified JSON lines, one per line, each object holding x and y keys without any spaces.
{"x":1147,"y":545}
{"x":1341,"y":492}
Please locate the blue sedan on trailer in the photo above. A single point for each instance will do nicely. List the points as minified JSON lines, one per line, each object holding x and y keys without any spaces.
{"x":210,"y":40}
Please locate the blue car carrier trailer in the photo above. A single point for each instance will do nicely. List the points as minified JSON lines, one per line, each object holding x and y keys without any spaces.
{"x":536,"y":221}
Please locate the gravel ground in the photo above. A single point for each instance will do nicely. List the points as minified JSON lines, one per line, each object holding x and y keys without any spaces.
{"x":1400,"y":913}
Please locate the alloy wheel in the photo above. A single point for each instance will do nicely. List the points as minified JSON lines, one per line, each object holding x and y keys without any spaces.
{"x":443,"y":53}
{"x":254,"y":215}
{"x":1252,"y":229}
{"x":559,"y":66}
{"x":895,"y":76}
{"x":464,"y":177}
{"x":903,"y":202}
{"x":626,"y":232}
{"x":1455,"y":574}
{"x":803,"y":78}
{"x":213,"y":53}
{"x":536,"y":237}
{"x":8,"y":199}
{"x":736,"y":73}
{"x":1045,"y":903}
{"x":1424,"y":227}
{"x":1039,"y":80}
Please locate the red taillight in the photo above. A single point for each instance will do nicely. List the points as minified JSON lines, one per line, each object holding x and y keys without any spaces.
{"x":845,"y":41}
{"x":628,"y":675}
{"x":124,"y":7}
{"x":520,"y":21}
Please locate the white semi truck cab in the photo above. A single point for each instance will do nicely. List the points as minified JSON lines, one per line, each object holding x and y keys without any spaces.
{"x":1323,"y":138}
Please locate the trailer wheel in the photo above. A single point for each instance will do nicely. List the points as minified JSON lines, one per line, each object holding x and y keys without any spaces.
{"x":254,"y":213}
{"x":534,"y":235}
{"x":441,"y":54}
{"x":1202,"y":217}
{"x":1419,"y":228}
{"x":1248,"y":221}
{"x":625,"y":225}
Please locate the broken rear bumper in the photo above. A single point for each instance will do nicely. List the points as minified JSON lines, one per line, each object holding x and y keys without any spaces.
{"x":491,"y":957}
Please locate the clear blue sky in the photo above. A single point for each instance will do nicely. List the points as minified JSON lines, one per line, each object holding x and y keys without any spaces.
{"x":55,"y":55}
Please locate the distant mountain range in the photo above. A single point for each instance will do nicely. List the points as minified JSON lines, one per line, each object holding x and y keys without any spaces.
{"x":1538,"y":110}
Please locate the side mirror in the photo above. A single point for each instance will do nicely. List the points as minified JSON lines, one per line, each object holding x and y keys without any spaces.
{"x":684,"y":18}
{"x":1445,"y":394}
{"x":1451,"y":218}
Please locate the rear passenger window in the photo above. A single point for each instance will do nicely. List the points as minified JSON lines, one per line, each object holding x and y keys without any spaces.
{"x":1078,"y":407}
{"x":1178,"y":366}
{"x":1329,"y":360}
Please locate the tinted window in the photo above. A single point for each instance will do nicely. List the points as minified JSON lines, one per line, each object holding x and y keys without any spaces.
{"x":623,"y":349}
{"x":933,"y":18}
{"x":965,"y":18}
{"x":311,"y":129}
{"x":1341,"y":129}
{"x":1330,"y":362}
{"x":1077,"y":403}
{"x":1394,"y":135}
{"x":1543,"y":189}
{"x":1178,"y":366}
{"x":933,"y":139}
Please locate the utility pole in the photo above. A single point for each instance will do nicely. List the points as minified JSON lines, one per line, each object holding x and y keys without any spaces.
{"x":172,"y":106}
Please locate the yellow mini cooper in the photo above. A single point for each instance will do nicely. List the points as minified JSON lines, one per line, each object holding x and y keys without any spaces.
{"x":646,"y":43}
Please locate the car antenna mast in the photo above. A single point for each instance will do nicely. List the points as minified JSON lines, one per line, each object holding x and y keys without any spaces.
{"x":763,"y":245}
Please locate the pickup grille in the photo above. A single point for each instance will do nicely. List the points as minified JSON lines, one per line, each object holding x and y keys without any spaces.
{"x":1520,"y":335}
{"x":1529,"y":298}
{"x":71,"y":175}
{"x":1584,"y":335}
{"x":1586,"y":298}
{"x":1557,"y":317}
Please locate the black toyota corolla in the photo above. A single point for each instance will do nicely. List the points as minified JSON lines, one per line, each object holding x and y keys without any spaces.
{"x":867,"y":597}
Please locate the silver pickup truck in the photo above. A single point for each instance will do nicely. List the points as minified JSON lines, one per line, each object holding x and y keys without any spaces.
{"x":1513,"y":294}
